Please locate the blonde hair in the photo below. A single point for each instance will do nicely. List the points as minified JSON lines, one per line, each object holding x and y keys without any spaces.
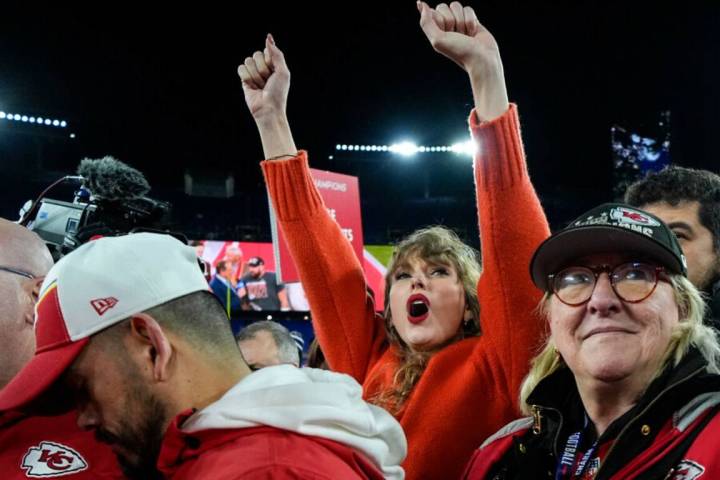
{"x":690,"y":331}
{"x":432,"y":244}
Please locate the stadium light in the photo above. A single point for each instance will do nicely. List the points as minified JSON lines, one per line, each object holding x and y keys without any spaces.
{"x":467,"y":148}
{"x":16,"y":117}
{"x":406,"y":148}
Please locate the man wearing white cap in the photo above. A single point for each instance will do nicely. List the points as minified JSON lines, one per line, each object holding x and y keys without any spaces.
{"x":35,"y":446}
{"x":129,"y":328}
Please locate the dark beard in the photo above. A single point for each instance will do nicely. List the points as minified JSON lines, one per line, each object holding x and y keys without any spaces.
{"x":142,"y":439}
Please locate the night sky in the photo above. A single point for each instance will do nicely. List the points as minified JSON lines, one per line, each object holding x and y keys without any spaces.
{"x":158,"y":89}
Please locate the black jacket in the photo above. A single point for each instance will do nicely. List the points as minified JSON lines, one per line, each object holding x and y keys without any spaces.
{"x":558,"y":412}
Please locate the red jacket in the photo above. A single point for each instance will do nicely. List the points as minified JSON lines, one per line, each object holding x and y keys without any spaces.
{"x":258,"y":453}
{"x":470,"y":388}
{"x":672,"y":432}
{"x":54,"y":447}
{"x":285,"y":422}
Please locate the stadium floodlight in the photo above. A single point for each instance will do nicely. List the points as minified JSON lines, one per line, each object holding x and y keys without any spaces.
{"x":464,"y":148}
{"x":17,"y":117}
{"x":406,"y":149}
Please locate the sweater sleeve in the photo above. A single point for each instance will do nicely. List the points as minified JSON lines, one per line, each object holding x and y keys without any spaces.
{"x":512,"y":225}
{"x":349,"y":331}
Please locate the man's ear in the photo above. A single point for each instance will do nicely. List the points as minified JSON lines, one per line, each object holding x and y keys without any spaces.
{"x":148,"y":332}
{"x":34,"y":293}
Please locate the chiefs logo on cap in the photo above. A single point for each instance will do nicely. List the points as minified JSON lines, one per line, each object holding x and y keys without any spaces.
{"x":50,"y":459}
{"x":102,"y":305}
{"x":626,"y":215}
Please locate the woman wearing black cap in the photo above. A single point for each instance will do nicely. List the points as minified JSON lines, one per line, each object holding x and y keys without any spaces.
{"x":628,"y":384}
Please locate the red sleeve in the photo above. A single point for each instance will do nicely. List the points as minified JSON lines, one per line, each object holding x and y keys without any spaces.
{"x":485,"y":458}
{"x":350,"y":333}
{"x":282,"y":472}
{"x":512,"y":225}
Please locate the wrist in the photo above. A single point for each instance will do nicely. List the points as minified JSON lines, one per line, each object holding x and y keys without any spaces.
{"x":489,"y":94}
{"x":270,"y":118}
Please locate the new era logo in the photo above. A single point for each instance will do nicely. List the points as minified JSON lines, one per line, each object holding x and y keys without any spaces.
{"x":51,"y":459}
{"x":102,"y":305}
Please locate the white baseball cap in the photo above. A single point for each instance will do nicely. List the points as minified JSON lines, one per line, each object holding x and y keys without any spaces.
{"x":98,"y":285}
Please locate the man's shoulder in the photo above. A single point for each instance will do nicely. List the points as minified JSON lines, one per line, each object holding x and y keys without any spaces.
{"x":264,"y":449}
{"x":54,"y":447}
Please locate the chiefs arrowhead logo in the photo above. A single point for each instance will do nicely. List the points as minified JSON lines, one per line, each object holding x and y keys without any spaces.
{"x":687,"y":470}
{"x":633,"y":217}
{"x":51,"y":459}
{"x":102,"y":305}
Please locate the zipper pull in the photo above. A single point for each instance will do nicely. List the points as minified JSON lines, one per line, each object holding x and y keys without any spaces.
{"x":537,"y":420}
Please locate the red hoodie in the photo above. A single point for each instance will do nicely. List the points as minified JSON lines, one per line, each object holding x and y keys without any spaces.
{"x":259,"y":453}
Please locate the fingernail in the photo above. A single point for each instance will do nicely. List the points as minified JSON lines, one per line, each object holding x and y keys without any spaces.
{"x":270,"y":37}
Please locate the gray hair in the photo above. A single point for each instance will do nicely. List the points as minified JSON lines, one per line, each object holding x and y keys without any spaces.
{"x":287,"y":348}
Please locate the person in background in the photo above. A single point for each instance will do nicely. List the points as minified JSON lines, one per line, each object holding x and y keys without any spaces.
{"x":234,"y":259}
{"x":267,"y":343}
{"x":263,"y":290}
{"x":34,"y":445}
{"x":688,"y":201}
{"x":229,"y":293}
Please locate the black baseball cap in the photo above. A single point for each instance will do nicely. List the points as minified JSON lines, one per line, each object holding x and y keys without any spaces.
{"x":256,"y":261}
{"x":611,"y":227}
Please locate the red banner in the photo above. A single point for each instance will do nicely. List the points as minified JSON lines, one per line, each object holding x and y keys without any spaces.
{"x":341,"y":194}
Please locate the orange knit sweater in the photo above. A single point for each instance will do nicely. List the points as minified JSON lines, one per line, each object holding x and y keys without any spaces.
{"x":471,"y":388}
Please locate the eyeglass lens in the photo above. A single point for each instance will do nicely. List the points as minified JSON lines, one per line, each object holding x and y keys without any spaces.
{"x":632,"y":282}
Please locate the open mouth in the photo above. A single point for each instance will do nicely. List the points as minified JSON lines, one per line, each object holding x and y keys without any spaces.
{"x":418,"y":308}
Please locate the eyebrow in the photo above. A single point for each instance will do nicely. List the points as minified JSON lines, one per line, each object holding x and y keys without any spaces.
{"x":680,"y":224}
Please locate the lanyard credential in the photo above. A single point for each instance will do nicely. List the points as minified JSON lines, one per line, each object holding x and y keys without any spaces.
{"x":566,"y":462}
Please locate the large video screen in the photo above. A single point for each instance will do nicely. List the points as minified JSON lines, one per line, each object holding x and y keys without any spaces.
{"x":243,"y":276}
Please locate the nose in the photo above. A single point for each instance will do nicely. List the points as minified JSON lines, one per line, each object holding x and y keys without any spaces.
{"x":603,"y":300}
{"x":87,"y":418}
{"x":418,"y":281}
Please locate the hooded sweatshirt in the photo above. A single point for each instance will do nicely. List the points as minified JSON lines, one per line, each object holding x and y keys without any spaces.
{"x":304,"y":409}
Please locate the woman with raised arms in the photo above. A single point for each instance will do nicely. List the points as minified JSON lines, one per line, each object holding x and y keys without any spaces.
{"x":449,"y":373}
